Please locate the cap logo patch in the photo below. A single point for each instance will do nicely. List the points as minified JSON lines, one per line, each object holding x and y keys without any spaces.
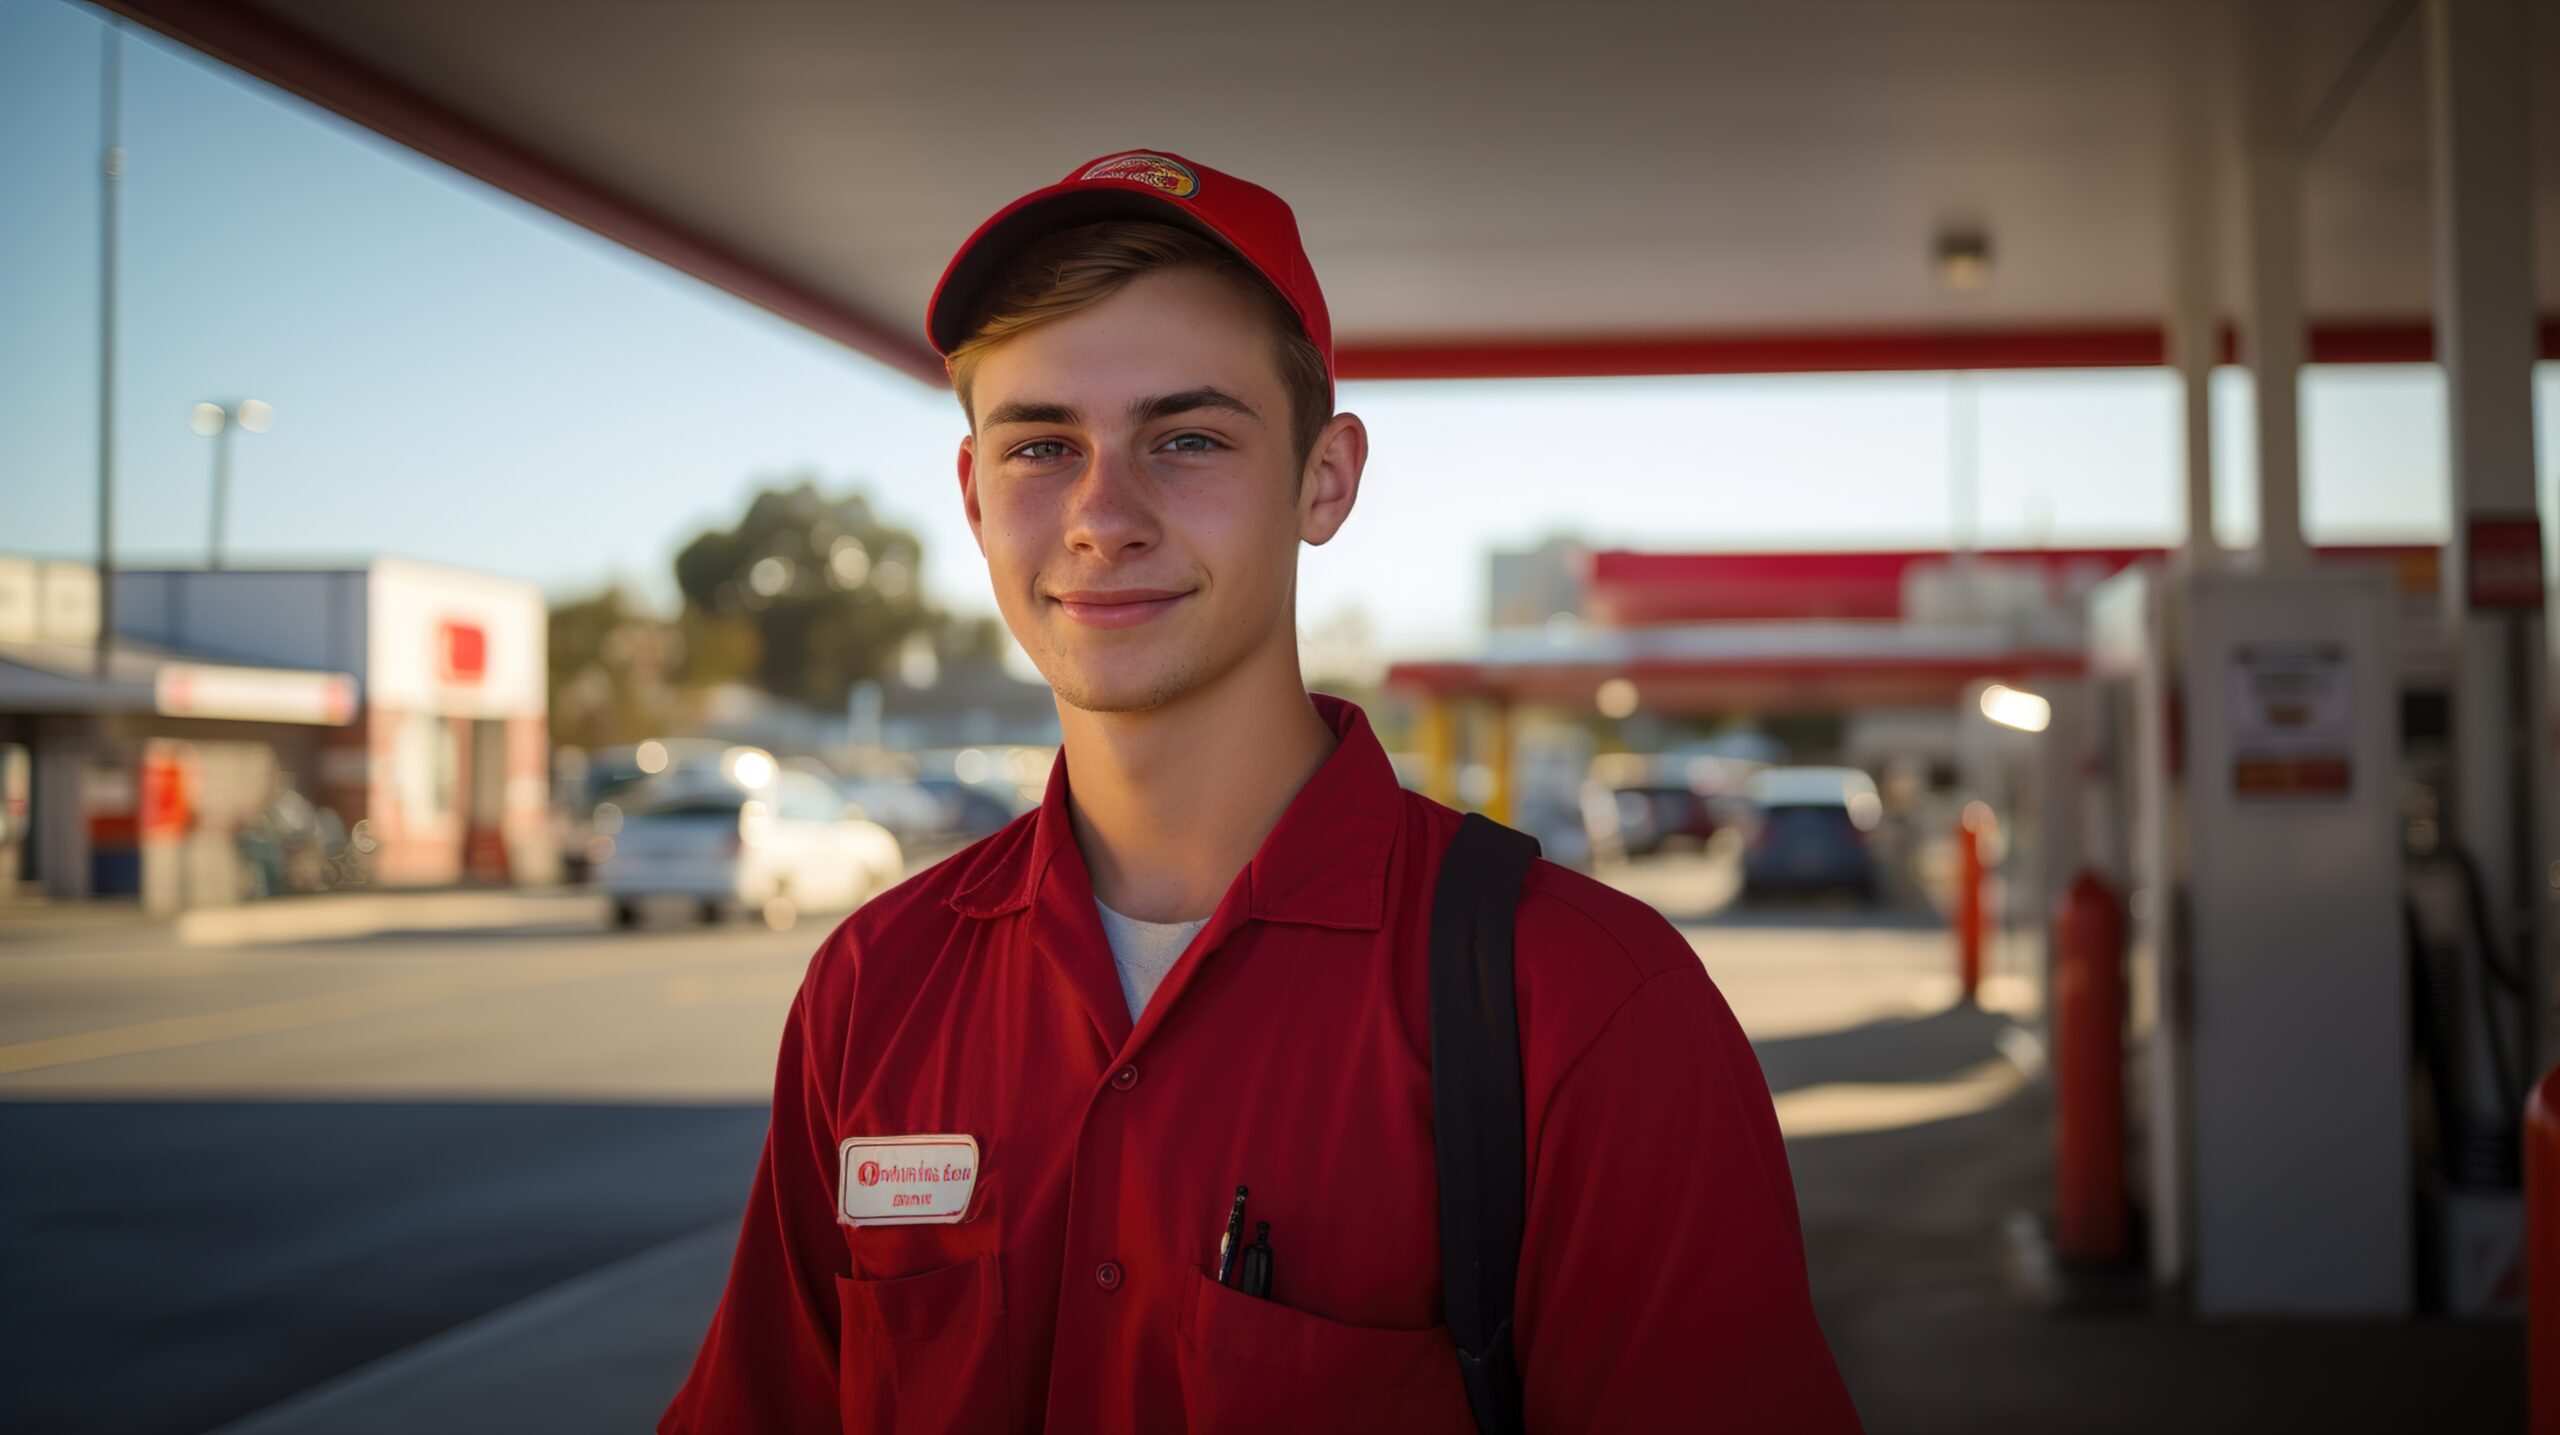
{"x":1152,"y":170}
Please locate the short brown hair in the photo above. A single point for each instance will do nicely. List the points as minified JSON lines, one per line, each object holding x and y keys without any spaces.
{"x":1077,"y":268}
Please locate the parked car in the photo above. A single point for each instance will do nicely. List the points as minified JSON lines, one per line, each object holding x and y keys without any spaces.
{"x":1807,"y":832}
{"x":1641,"y":819}
{"x":978,"y":808}
{"x":914,"y":813}
{"x":723,"y":841}
{"x":587,"y":793}
{"x":1554,"y":818}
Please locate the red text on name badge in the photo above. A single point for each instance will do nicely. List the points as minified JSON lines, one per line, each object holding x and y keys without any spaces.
{"x":906,"y":1180}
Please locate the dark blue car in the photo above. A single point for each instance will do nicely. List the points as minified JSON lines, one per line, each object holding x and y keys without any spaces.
{"x":1808,"y":833}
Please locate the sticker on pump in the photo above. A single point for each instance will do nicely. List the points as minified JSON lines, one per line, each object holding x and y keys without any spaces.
{"x":906,"y":1180}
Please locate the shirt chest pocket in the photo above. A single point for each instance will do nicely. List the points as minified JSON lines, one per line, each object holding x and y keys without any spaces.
{"x":1250,"y":1365}
{"x":925,"y":1353}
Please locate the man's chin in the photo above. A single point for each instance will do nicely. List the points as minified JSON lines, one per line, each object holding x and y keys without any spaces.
{"x":1116,"y":697}
{"x":1127,"y":690}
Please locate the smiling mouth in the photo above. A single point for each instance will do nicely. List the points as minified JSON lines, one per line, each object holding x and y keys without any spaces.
{"x":1116,"y":610}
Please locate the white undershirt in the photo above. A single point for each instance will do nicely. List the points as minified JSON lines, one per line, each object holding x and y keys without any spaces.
{"x":1144,"y":952}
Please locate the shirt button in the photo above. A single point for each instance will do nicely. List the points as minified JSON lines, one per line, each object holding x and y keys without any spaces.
{"x":1107,"y":1275}
{"x":1125,"y":1077}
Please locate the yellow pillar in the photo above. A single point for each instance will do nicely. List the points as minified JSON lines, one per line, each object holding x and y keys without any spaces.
{"x":1497,"y":802}
{"x":1439,"y":751}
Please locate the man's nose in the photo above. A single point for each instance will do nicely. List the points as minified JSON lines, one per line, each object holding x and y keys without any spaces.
{"x":1108,"y":510}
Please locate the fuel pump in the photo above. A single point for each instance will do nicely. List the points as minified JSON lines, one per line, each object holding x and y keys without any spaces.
{"x":2250,"y":725}
{"x":2472,"y":999}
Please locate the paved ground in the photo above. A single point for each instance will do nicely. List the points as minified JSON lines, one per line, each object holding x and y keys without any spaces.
{"x":1906,"y":1272}
{"x":186,"y":1263}
{"x":266,"y":1165}
{"x":486,"y":1180}
{"x":563,"y":1011}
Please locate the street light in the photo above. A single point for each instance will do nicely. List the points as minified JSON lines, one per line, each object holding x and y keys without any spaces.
{"x":215,"y":422}
{"x":2016,"y":708}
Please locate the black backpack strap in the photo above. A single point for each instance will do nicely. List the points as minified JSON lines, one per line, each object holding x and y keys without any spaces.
{"x":1476,"y":1107}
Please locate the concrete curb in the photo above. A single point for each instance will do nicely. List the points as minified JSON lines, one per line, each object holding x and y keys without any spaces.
{"x":303,"y":919}
{"x":601,"y":1352}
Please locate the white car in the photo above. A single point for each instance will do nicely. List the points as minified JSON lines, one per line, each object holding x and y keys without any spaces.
{"x":779,"y":846}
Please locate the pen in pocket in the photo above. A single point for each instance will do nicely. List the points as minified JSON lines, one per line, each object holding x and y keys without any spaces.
{"x":1229,"y":1244}
{"x":1256,"y":1280}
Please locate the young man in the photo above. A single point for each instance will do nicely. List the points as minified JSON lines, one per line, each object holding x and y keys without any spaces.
{"x":1019,"y":1093}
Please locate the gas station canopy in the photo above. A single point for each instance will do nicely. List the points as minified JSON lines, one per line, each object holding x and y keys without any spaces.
{"x":1825,"y":632}
{"x":1488,"y":189}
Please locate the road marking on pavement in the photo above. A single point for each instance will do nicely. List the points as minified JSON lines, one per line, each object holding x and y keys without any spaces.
{"x":319,"y":1009}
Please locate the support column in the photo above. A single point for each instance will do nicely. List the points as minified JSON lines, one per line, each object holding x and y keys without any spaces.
{"x":2195,"y":293}
{"x":2271,"y":336}
{"x":1439,"y":750}
{"x":1497,"y":757}
{"x":2480,"y":116}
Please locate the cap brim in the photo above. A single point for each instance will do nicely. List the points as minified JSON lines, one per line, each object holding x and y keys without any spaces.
{"x":956,"y":299}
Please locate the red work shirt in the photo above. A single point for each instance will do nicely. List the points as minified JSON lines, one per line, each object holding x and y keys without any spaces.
{"x":1662,"y":1280}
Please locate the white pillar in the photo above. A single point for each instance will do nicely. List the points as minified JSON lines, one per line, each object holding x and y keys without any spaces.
{"x":2194,"y":327}
{"x":2480,"y":113}
{"x":2271,"y":334}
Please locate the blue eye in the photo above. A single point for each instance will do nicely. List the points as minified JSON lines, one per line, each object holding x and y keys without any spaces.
{"x":1041,"y":450}
{"x":1193,"y":443}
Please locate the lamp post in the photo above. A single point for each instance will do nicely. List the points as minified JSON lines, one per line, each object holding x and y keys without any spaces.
{"x":216,"y":423}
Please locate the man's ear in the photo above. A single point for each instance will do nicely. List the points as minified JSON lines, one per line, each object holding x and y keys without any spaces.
{"x":969,"y":491}
{"x":1330,"y":483}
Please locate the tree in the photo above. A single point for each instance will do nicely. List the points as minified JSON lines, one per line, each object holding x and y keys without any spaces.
{"x":807,"y":596}
{"x":609,"y":670}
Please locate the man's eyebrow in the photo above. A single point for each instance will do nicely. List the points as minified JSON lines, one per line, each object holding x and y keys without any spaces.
{"x":1190,"y":401}
{"x":1021,"y":411}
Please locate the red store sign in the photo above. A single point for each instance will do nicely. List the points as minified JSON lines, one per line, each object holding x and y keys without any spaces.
{"x":462,"y":651}
{"x":2502,"y":560}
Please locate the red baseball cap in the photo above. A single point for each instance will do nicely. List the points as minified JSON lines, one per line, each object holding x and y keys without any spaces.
{"x":1139,"y":184}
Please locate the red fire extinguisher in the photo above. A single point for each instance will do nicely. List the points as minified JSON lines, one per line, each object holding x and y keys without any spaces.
{"x":2088,"y":1071}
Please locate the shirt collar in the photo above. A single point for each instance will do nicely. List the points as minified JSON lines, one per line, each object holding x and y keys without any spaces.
{"x":1323,"y":864}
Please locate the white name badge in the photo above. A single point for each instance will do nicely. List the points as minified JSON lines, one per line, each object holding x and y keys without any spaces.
{"x":905,"y":1180}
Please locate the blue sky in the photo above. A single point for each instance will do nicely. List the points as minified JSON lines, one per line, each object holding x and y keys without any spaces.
{"x":462,"y":378}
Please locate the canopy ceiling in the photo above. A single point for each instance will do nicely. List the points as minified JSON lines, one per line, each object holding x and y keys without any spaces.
{"x":1485,"y":188}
